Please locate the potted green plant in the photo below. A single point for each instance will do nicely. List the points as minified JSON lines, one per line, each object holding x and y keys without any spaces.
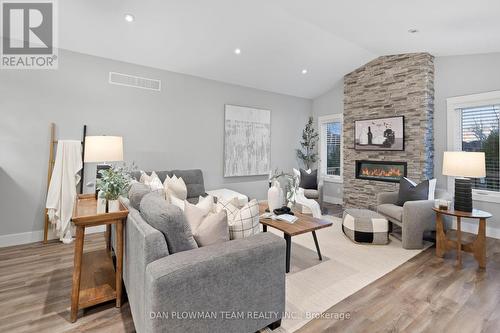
{"x":307,"y":153}
{"x":114,"y":182}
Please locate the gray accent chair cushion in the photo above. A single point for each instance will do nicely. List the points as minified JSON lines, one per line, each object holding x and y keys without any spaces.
{"x":170,"y":220}
{"x":311,"y":194}
{"x":393,"y":211}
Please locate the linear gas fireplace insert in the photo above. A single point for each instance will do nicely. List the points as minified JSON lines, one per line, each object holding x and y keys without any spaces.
{"x":385,"y":171}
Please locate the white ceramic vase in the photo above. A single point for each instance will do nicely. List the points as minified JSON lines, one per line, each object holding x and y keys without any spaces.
{"x":101,"y":204}
{"x":113,"y":206}
{"x":274,"y":197}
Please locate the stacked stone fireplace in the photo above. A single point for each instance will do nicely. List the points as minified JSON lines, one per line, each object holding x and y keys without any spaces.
{"x":396,"y":85}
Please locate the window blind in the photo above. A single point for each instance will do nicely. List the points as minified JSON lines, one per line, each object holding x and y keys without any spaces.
{"x":480,"y":127}
{"x":333,"y":133}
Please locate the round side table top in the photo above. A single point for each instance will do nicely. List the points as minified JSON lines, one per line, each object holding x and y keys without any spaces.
{"x":475,"y":214}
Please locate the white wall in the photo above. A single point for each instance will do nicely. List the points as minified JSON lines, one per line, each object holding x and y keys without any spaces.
{"x":329,"y":103}
{"x":180,"y":127}
{"x":458,"y":76}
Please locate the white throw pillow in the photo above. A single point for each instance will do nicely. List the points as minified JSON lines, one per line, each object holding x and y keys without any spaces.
{"x":177,"y":202}
{"x":153,"y":181}
{"x":242,"y":222}
{"x":204,"y":203}
{"x":212,"y":230}
{"x":208,"y":228}
{"x":432,"y":188}
{"x":176,"y":187}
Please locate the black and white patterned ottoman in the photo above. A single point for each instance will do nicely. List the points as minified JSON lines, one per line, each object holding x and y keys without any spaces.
{"x":365,"y":226}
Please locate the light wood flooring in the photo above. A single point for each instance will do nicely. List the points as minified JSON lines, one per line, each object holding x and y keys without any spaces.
{"x":35,"y":292}
{"x":426,"y":294}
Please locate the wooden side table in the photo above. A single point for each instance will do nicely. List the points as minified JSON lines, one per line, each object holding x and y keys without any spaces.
{"x":95,"y":280}
{"x":477,"y":247}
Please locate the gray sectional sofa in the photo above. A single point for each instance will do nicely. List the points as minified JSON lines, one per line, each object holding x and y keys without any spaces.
{"x":236,"y":286}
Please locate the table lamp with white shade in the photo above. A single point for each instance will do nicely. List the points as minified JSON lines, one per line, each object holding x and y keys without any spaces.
{"x":103,"y":149}
{"x":465,"y":165}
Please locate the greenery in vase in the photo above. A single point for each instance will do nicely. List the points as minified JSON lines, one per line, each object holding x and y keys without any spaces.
{"x":114,"y":182}
{"x":291,"y":186}
{"x":308,"y":153}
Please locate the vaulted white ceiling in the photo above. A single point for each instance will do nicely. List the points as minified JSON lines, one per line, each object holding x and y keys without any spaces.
{"x":277,"y":38}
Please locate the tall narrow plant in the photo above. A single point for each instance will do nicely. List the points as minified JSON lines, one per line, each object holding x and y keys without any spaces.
{"x":308,"y":153}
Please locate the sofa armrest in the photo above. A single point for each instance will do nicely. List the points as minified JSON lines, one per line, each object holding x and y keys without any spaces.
{"x":238,"y":277}
{"x":420,"y":212}
{"x":418,"y":217}
{"x":387,"y":198}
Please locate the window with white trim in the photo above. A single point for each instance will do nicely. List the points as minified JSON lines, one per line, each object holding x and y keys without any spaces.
{"x":480,"y":134}
{"x":473,"y":125}
{"x":330,"y":148}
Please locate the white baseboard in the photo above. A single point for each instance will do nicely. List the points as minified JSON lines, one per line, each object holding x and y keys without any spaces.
{"x":333,"y":200}
{"x":37,"y":236}
{"x":472,"y":227}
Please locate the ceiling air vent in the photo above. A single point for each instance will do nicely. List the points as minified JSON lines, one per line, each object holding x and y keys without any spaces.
{"x":134,"y":81}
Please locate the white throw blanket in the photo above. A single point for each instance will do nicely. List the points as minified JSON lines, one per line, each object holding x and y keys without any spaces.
{"x":62,"y":190}
{"x":313,"y":205}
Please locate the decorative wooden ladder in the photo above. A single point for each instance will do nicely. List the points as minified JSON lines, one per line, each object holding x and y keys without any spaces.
{"x":52,"y":161}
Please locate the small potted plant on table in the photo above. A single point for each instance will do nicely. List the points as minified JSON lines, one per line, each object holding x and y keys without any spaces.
{"x":114,"y":182}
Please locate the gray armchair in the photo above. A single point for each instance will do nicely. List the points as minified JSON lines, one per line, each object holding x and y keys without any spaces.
{"x":414,"y":218}
{"x":315,"y":194}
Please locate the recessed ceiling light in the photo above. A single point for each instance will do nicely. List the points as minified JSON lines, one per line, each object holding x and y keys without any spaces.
{"x":412,"y":31}
{"x":129,"y":18}
{"x":237,"y":51}
{"x":304,"y":71}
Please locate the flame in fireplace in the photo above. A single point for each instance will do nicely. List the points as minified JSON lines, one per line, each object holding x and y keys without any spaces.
{"x":381,"y":172}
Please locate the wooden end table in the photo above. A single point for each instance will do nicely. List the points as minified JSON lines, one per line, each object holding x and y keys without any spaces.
{"x":477,"y":247}
{"x":95,"y":280}
{"x":304,"y":224}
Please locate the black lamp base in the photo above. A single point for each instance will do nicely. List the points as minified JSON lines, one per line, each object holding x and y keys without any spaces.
{"x":463,"y":195}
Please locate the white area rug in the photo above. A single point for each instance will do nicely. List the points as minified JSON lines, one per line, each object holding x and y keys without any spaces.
{"x":314,"y":286}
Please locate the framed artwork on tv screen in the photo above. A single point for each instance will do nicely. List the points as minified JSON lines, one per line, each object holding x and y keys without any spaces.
{"x":380,"y":134}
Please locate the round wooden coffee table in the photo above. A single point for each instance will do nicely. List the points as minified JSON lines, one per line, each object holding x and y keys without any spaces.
{"x":477,"y":247}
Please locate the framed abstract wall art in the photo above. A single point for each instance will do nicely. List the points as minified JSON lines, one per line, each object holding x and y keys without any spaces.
{"x":247,"y":141}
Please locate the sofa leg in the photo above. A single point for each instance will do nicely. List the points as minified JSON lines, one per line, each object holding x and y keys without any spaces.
{"x":275,"y":325}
